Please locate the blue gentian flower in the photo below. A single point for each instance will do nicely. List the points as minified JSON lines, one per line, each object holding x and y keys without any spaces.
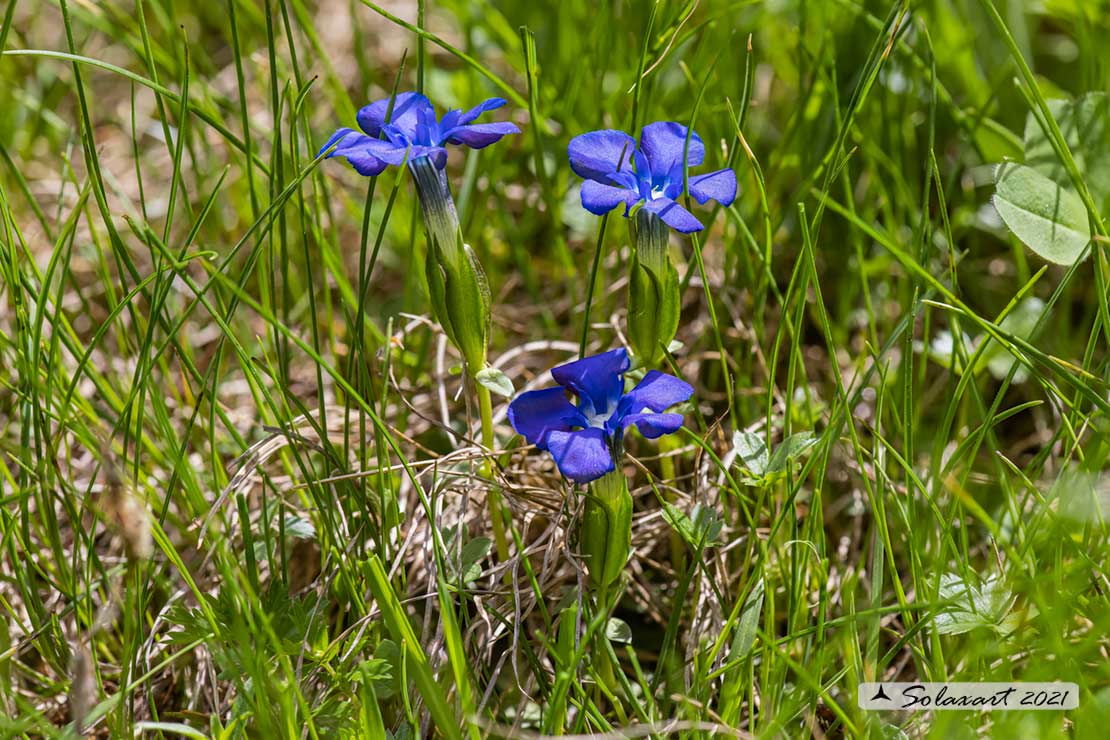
{"x":412,"y":131}
{"x":585,"y":438}
{"x":617,"y":172}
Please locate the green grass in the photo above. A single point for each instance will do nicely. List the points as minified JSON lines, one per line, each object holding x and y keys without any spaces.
{"x":241,"y":487}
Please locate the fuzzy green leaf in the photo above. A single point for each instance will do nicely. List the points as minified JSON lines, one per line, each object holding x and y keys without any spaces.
{"x":1050,"y":220}
{"x":751,"y":452}
{"x":617,"y":630}
{"x":497,"y":381}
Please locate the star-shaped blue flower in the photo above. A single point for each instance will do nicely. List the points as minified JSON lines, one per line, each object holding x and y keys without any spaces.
{"x":412,"y":131}
{"x":617,"y":172}
{"x":584,"y":438}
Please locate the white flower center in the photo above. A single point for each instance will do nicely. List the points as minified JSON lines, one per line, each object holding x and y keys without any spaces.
{"x":596,"y":419}
{"x":656,"y":193}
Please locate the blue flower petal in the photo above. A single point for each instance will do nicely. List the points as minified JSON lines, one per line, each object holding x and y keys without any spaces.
{"x":470,"y":115}
{"x":536,"y":413}
{"x":664,"y":143}
{"x":598,"y":380}
{"x":338,"y":137}
{"x":658,"y":391}
{"x":368,"y":156}
{"x":597,"y":154}
{"x":653,"y":425}
{"x":643,"y":172}
{"x":582,"y":456}
{"x":624,"y":179}
{"x":405,"y":115}
{"x":437,"y":154}
{"x":674,"y":215}
{"x":478,"y":135}
{"x":449,"y":121}
{"x":719,"y":186}
{"x":365,"y":163}
{"x":599,"y":199}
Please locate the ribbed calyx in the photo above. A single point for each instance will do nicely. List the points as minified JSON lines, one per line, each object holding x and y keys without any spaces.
{"x":456,"y":281}
{"x":654,"y":300}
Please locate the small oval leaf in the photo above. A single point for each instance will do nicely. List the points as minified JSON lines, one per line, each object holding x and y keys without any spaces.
{"x":496,"y":381}
{"x":1050,"y":220}
{"x":617,"y":630}
{"x":751,"y":451}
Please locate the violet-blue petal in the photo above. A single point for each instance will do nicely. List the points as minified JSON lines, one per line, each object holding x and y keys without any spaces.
{"x":719,"y":186}
{"x":404,"y":116}
{"x":365,"y":163}
{"x":597,"y":154}
{"x":674,"y":215}
{"x":624,"y":179}
{"x":427,"y":128}
{"x":536,"y":413}
{"x":470,"y":115}
{"x":479,"y":135}
{"x":664,"y":142}
{"x":369,"y":156}
{"x":437,"y":154}
{"x":449,"y":121}
{"x":581,"y":455}
{"x":653,"y":425}
{"x":336,"y":138}
{"x":599,"y":199}
{"x":658,"y":391}
{"x":598,"y":380}
{"x":643,"y":168}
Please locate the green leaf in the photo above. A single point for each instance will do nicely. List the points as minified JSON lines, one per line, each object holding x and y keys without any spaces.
{"x":1050,"y":220}
{"x":1085,"y":124}
{"x":385,"y":669}
{"x":299,"y":528}
{"x":971,"y":606}
{"x":473,"y":552}
{"x":617,"y":630}
{"x":732,"y":693}
{"x":174,"y":728}
{"x":749,"y":621}
{"x":751,"y":452}
{"x":417,"y":666}
{"x":792,"y":447}
{"x":496,"y":381}
{"x":700,"y":529}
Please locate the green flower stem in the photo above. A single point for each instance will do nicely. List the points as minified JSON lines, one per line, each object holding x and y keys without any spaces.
{"x":660,"y":306}
{"x":606,"y":541}
{"x":461,"y":302}
{"x":666,"y":465}
{"x":493,"y":494}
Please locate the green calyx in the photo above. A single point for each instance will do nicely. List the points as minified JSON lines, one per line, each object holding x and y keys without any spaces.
{"x":654,"y":298}
{"x":605,"y":538}
{"x":456,"y":281}
{"x":461,"y":299}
